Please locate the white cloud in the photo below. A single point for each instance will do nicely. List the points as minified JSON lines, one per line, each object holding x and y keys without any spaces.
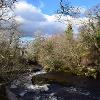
{"x":73,"y":20}
{"x":33,"y":19}
{"x":19,"y":19}
{"x":23,"y":5}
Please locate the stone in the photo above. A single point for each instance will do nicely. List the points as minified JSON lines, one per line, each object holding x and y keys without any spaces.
{"x":67,"y":79}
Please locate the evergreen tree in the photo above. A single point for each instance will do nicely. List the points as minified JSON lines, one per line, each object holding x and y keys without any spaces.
{"x":69,"y":32}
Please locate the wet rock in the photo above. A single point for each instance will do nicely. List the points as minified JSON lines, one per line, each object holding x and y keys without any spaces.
{"x":3,"y":95}
{"x":7,"y":94}
{"x":67,"y":79}
{"x":59,"y":77}
{"x":36,"y":68}
{"x":11,"y":95}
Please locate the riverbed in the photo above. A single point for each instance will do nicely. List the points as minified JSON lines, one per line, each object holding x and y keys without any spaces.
{"x":23,"y":89}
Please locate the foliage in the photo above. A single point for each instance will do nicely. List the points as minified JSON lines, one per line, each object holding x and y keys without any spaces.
{"x":64,"y":52}
{"x":10,"y":50}
{"x":58,"y":52}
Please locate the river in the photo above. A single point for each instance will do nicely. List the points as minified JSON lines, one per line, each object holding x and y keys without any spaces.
{"x":23,"y":89}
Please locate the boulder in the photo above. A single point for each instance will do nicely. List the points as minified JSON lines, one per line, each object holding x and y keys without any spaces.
{"x":3,"y":95}
{"x":59,"y":77}
{"x":6,"y":94}
{"x":36,"y":68}
{"x":67,"y":79}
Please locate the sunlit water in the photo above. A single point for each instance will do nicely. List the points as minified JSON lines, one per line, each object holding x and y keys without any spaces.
{"x":52,"y":91}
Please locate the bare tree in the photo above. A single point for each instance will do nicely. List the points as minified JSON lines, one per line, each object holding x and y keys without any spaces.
{"x":7,"y":3}
{"x":67,"y":9}
{"x":9,"y":39}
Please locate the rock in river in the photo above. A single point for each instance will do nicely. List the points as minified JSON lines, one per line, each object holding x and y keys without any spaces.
{"x":66,"y":78}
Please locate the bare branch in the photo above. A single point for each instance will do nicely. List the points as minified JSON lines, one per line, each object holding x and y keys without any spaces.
{"x":67,"y":9}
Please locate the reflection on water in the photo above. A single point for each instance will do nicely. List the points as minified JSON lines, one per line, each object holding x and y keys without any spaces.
{"x":52,"y":91}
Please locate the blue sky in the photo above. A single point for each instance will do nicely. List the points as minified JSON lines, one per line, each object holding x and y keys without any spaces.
{"x":51,"y":6}
{"x":39,"y":16}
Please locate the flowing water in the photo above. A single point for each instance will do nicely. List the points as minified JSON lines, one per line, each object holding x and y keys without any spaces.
{"x":53,"y":91}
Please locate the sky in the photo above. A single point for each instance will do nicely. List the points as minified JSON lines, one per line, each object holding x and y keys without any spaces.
{"x":40,"y":16}
{"x":51,"y":6}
